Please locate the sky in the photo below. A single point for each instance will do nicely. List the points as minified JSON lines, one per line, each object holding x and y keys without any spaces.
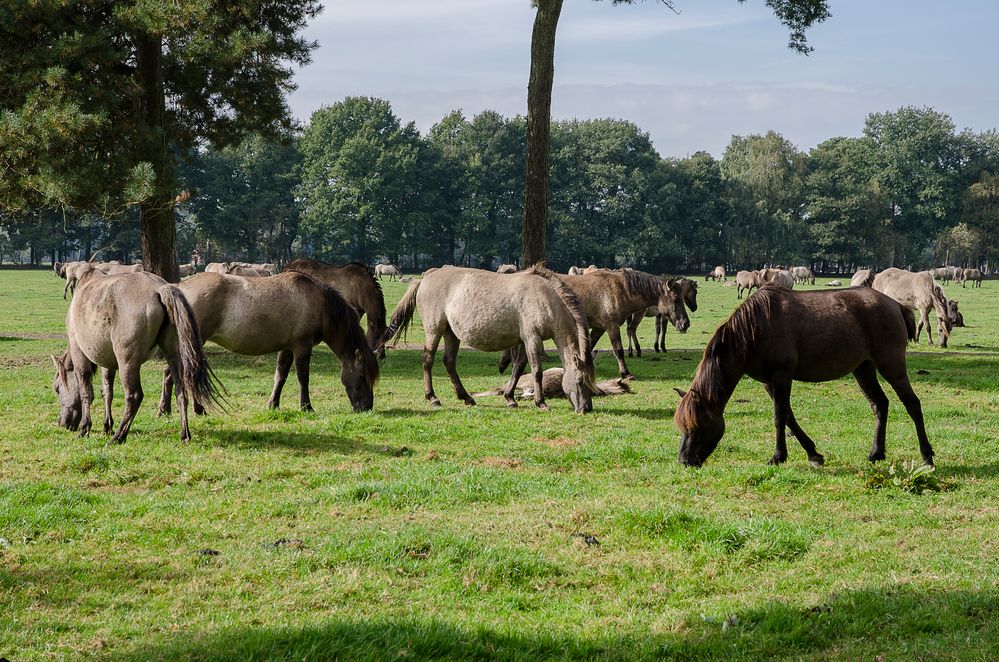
{"x":691,"y":80}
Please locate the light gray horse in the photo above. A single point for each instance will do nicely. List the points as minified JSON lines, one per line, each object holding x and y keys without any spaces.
{"x":506,"y":269}
{"x":493,"y":312}
{"x":863,"y":278}
{"x":389,"y":270}
{"x":117,"y":322}
{"x":917,"y":291}
{"x":747,"y":280}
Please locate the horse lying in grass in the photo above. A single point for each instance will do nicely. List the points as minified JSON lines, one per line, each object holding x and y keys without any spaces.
{"x":778,"y":336}
{"x":117,"y":322}
{"x":686,"y":289}
{"x":359,"y":288}
{"x":551,"y":382}
{"x":493,"y":312}
{"x":289,"y":314}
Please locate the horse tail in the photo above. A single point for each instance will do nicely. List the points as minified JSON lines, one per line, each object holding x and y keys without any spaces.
{"x":910,"y":321}
{"x":403,"y":315}
{"x":197,"y":378}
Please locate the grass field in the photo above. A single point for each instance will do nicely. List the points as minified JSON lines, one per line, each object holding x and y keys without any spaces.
{"x":484,"y":533}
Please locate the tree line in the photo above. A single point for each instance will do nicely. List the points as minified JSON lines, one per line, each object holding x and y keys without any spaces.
{"x":359,"y":183}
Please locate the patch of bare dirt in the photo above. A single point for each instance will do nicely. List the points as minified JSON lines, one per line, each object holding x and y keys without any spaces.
{"x":557,"y":442}
{"x":500,"y":462}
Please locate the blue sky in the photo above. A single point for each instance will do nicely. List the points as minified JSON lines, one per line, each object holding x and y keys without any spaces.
{"x":691,"y":81}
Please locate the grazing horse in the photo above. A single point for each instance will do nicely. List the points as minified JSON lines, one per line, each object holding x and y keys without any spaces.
{"x":716,"y":274}
{"x":803,"y":275}
{"x":289,"y":314}
{"x":863,"y":278}
{"x":686,"y":289}
{"x":974,"y":275}
{"x":747,"y":280}
{"x":358,"y":286}
{"x":918,"y":291}
{"x":778,"y":336}
{"x":117,"y":322}
{"x":493,"y":312}
{"x":389,"y":270}
{"x":780,"y":277}
{"x":506,"y":269}
{"x":551,"y":384}
{"x":185,"y":270}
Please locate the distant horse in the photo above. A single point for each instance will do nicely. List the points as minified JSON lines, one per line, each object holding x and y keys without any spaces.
{"x":834,"y":283}
{"x":289,"y":314}
{"x":863,"y":278}
{"x":974,"y":275}
{"x":117,"y":268}
{"x":803,"y":275}
{"x":71,"y":272}
{"x":590,"y":269}
{"x":358,"y":287}
{"x":947,"y":273}
{"x":117,"y":322}
{"x":185,"y":270}
{"x":57,"y":269}
{"x":389,"y":270}
{"x":506,"y":269}
{"x":716,"y":274}
{"x":918,"y":291}
{"x":552,"y":386}
{"x":245,"y":271}
{"x":686,"y":289}
{"x":747,"y":280}
{"x":216,"y":267}
{"x":575,"y":271}
{"x":778,"y":336}
{"x":493,"y":312}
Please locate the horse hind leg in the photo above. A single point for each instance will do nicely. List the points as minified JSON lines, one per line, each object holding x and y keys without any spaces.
{"x":430,"y":345}
{"x":284,"y":360}
{"x":661,"y":325}
{"x":451,"y":344}
{"x":867,"y":379}
{"x":133,"y":399}
{"x":107,"y":394}
{"x":175,"y":367}
{"x":519,"y":363}
{"x":535,"y":351}
{"x":614,"y":333}
{"x":896,"y":375}
{"x":303,"y":358}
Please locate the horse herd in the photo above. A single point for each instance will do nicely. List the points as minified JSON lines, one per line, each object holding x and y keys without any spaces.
{"x":120,"y":316}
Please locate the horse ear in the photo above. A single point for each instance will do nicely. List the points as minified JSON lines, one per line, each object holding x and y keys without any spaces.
{"x":358,"y":356}
{"x":680,"y":391}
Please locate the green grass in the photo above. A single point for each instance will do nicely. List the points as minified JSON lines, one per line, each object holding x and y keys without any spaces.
{"x":493,"y":533}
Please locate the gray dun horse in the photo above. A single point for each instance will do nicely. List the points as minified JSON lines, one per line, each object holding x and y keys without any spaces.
{"x":917,"y":291}
{"x":493,"y":312}
{"x":687,"y":291}
{"x":778,"y":336}
{"x":117,"y":322}
{"x":289,"y":314}
{"x":358,"y":287}
{"x":389,"y":270}
{"x":863,"y":278}
{"x":747,"y":280}
{"x":506,"y":269}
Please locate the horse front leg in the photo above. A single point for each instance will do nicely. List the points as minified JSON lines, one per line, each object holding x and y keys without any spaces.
{"x":166,"y":392}
{"x":429,"y":351}
{"x":451,"y":344}
{"x":84,"y":371}
{"x":780,"y":391}
{"x":284,"y":360}
{"x":303,"y":357}
{"x":519,"y":355}
{"x":107,"y":394}
{"x":814,"y":457}
{"x":661,"y":325}
{"x":175,"y":366}
{"x":535,"y":351}
{"x":895,"y":375}
{"x":867,"y":380}
{"x":614,"y":333}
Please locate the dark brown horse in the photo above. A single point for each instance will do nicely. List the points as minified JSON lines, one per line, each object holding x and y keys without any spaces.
{"x":687,"y":290}
{"x":778,"y":336}
{"x":358,"y":286}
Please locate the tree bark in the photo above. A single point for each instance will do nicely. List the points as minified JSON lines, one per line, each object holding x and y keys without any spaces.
{"x":539,"y":106}
{"x":158,"y":227}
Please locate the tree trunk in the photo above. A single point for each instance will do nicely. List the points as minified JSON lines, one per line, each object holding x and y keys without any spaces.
{"x":156,"y":219}
{"x":539,"y":106}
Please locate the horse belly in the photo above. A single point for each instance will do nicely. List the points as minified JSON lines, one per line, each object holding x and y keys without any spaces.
{"x":484,"y":331}
{"x":829,"y":361}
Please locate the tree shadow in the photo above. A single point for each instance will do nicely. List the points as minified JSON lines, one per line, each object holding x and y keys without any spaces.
{"x":848,"y":624}
{"x":297,"y":442}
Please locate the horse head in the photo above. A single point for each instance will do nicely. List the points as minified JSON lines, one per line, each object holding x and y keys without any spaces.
{"x":578,"y":382}
{"x":67,"y":390}
{"x":358,"y":374}
{"x":671,"y":305}
{"x":701,"y":427}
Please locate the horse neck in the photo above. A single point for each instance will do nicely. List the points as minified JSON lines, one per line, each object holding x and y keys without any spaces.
{"x":566,"y":337}
{"x":719,"y":374}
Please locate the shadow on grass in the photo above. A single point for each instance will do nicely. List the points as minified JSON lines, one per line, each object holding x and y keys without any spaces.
{"x":852,"y":624}
{"x":295,"y":441}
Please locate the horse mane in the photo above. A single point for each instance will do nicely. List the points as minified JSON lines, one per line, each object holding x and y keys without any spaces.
{"x":575,"y":308}
{"x":733,"y":341}
{"x":312,"y":263}
{"x":342,"y":314}
{"x":642,"y":284}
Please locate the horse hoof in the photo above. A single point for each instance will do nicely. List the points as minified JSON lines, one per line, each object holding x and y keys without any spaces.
{"x":628,"y":377}
{"x":307,"y":407}
{"x":777,"y":461}
{"x":512,"y":404}
{"x":469,"y":401}
{"x":543,"y":407}
{"x":817,"y":461}
{"x":435,"y":403}
{"x":876,"y":457}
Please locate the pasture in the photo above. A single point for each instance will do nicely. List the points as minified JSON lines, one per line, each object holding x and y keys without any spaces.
{"x":485,"y":532}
